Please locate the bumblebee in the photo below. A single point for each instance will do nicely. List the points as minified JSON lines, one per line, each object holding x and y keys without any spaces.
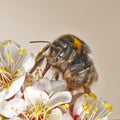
{"x":70,"y":56}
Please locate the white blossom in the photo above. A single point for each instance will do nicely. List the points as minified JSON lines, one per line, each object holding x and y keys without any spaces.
{"x":14,"y":63}
{"x":37,"y":105}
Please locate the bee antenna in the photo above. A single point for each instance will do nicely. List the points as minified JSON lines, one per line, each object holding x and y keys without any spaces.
{"x":40,"y":41}
{"x":51,"y":44}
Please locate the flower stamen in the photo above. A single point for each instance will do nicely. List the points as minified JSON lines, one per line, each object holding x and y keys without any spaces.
{"x":37,"y":111}
{"x":6,"y":78}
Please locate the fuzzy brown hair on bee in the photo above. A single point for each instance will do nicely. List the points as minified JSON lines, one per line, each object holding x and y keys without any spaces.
{"x":70,"y":56}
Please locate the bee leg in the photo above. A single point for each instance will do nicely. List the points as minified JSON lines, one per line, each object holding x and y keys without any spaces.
{"x":39,"y":58}
{"x":35,"y":66}
{"x":46,"y":69}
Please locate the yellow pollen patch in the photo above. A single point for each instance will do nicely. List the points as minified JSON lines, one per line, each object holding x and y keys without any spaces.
{"x":61,"y":101}
{"x":10,"y":41}
{"x":16,"y":110}
{"x":19,"y":51}
{"x":92,"y":95}
{"x":42,"y":110}
{"x":41,"y":76}
{"x":95,"y":110}
{"x":84,"y":103}
{"x":41,"y":70}
{"x":40,"y":95}
{"x":11,"y":60}
{"x":110,"y":109}
{"x":9,"y":56}
{"x":25,"y":91}
{"x":86,"y":112}
{"x":2,"y":70}
{"x":48,"y":106}
{"x":37,"y":106}
{"x":90,"y":106}
{"x":36,"y":114}
{"x":27,"y":114}
{"x":53,"y":91}
{"x":88,"y":115}
{"x":85,"y":95}
{"x":31,"y":76}
{"x":77,"y":44}
{"x":3,"y":44}
{"x":65,"y":106}
{"x":98,"y":119}
{"x":22,"y":51}
{"x":108,"y":106}
{"x":20,"y":71}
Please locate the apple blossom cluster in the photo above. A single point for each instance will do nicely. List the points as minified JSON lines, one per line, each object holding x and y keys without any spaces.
{"x":25,"y":96}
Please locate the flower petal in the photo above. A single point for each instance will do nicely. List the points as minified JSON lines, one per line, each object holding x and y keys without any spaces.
{"x":55,"y":115}
{"x":105,"y":118}
{"x":29,"y":62}
{"x":78,"y":106}
{"x":33,"y":95}
{"x":11,"y":48}
{"x":49,"y":86}
{"x":59,"y":99}
{"x":45,"y":84}
{"x":2,"y":95}
{"x":15,"y":87}
{"x":8,"y":46}
{"x":102,"y":112}
{"x":67,"y":116}
{"x":59,"y":85}
{"x":12,"y":51}
{"x":2,"y":104}
{"x":15,"y":118}
{"x":97,"y":108}
{"x":13,"y":108}
{"x":3,"y":44}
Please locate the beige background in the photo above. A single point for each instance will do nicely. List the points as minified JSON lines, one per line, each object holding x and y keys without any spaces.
{"x":97,"y":22}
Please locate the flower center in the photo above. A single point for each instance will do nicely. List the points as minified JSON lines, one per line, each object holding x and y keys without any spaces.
{"x":10,"y":65}
{"x":6,"y":78}
{"x":37,"y":111}
{"x":91,"y":107}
